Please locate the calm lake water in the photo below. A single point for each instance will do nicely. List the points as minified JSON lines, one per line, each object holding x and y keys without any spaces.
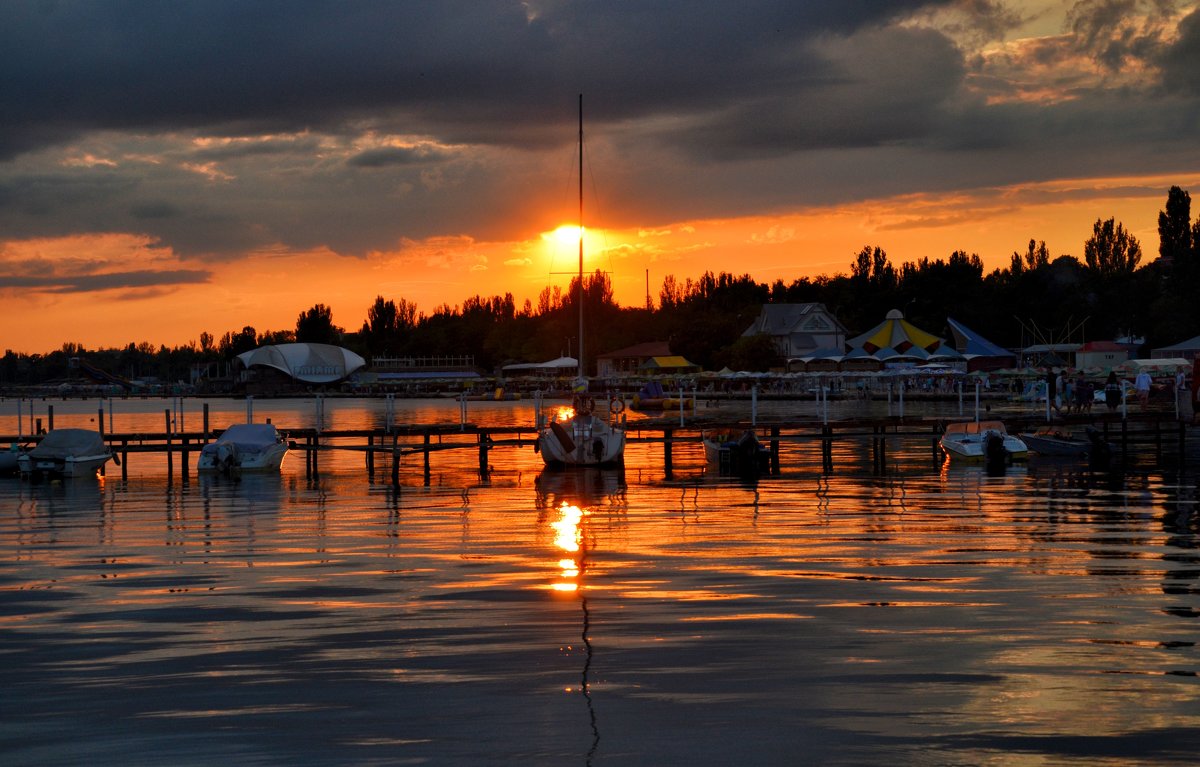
{"x":933,"y":616}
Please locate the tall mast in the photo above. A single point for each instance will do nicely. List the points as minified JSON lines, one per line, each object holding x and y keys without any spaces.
{"x":581,"y":235}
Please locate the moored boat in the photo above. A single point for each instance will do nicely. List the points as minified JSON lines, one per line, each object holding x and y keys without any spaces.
{"x":1053,"y":441}
{"x":244,"y":447}
{"x":735,"y":452}
{"x":981,"y":440}
{"x":583,"y":437}
{"x":66,"y":453}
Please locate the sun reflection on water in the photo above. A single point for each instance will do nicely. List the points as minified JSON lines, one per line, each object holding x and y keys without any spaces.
{"x":569,"y":537}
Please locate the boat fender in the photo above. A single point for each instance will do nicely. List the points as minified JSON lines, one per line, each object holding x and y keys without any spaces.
{"x":616,"y":406}
{"x":598,"y":449}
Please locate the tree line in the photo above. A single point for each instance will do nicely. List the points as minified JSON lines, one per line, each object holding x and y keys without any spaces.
{"x":1113,"y":291}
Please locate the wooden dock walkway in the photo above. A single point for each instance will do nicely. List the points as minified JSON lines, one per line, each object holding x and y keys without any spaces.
{"x":1155,"y":434}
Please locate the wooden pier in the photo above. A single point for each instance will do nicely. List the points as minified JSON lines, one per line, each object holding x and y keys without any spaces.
{"x":383,"y":449}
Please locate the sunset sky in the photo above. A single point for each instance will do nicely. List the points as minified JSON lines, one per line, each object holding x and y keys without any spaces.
{"x":168,"y":168}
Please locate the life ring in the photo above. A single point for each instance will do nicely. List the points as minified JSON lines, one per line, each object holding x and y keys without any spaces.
{"x":616,"y":406}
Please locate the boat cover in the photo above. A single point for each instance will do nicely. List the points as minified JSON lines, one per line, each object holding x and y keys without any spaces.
{"x":252,"y":436}
{"x":60,"y":444}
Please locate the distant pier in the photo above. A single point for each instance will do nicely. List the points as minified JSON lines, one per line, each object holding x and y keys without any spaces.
{"x":384,"y":449}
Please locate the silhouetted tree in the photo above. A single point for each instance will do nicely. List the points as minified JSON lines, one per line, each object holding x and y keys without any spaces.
{"x":316,"y":326}
{"x":1175,"y":227}
{"x":1111,"y":251}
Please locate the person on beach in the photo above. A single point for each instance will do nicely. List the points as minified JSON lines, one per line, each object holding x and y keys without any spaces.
{"x":1112,"y":390}
{"x":1142,"y":385}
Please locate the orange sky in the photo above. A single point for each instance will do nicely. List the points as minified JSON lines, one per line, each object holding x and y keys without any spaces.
{"x":269,"y":290}
{"x":420,"y":151}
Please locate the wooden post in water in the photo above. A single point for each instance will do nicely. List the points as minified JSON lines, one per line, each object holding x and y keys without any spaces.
{"x":426,"y":454}
{"x":124,"y":459}
{"x":371,"y":458}
{"x":50,"y":416}
{"x":206,"y":423}
{"x":316,"y":455}
{"x":484,"y":441}
{"x":775,"y":450}
{"x":827,"y":449}
{"x":170,"y":463}
{"x":667,"y":467}
{"x":183,"y":460}
{"x":100,"y":419}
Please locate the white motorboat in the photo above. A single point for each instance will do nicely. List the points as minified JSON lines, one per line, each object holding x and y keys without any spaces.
{"x":244,"y":447}
{"x":581,"y":436}
{"x":981,"y":440}
{"x":66,"y":453}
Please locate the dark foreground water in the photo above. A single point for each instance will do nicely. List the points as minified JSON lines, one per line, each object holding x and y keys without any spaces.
{"x":937,"y":616}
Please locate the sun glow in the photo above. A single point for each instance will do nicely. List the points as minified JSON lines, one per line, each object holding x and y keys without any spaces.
{"x":562,"y":244}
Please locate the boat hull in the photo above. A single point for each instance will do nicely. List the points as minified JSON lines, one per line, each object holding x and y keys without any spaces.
{"x":243,"y":448}
{"x":969,"y":441}
{"x":581,"y":441}
{"x":1057,"y":445}
{"x":68,"y":468}
{"x":737,"y":456}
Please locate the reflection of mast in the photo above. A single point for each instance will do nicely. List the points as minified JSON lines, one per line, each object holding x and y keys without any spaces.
{"x":571,"y":538}
{"x":584,"y":685}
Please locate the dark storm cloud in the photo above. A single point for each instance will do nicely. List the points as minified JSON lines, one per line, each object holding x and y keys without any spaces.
{"x":471,"y":70}
{"x":379,"y":158}
{"x":1181,"y":61}
{"x":107,"y":281}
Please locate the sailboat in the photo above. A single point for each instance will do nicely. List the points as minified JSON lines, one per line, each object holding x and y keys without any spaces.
{"x":589,"y":434}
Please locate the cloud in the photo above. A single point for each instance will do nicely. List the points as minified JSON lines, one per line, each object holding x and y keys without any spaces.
{"x":105,"y":281}
{"x":222,"y":128}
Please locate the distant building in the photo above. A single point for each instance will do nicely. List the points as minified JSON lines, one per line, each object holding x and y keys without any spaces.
{"x":980,"y":353}
{"x":631,"y":359}
{"x":280,"y":368}
{"x":1188,"y":350}
{"x":1101,"y":354}
{"x":799,"y":329}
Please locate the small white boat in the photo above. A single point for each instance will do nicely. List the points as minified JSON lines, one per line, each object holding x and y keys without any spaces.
{"x":584,"y":438}
{"x":981,"y":440}
{"x":244,"y":447}
{"x":736,"y":452}
{"x":66,"y":453}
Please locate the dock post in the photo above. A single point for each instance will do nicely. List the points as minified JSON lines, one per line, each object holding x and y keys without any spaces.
{"x":426,"y":454}
{"x":308,"y":457}
{"x":124,"y":459}
{"x":316,"y":454}
{"x":170,"y":462}
{"x":1182,"y":444}
{"x":827,"y":449}
{"x":371,"y":457}
{"x":100,"y":419}
{"x":1157,"y":441}
{"x":484,"y":441}
{"x":667,"y":434}
{"x":775,"y":450}
{"x":206,"y":423}
{"x":50,"y":416}
{"x":183,"y":460}
{"x":396,"y":461}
